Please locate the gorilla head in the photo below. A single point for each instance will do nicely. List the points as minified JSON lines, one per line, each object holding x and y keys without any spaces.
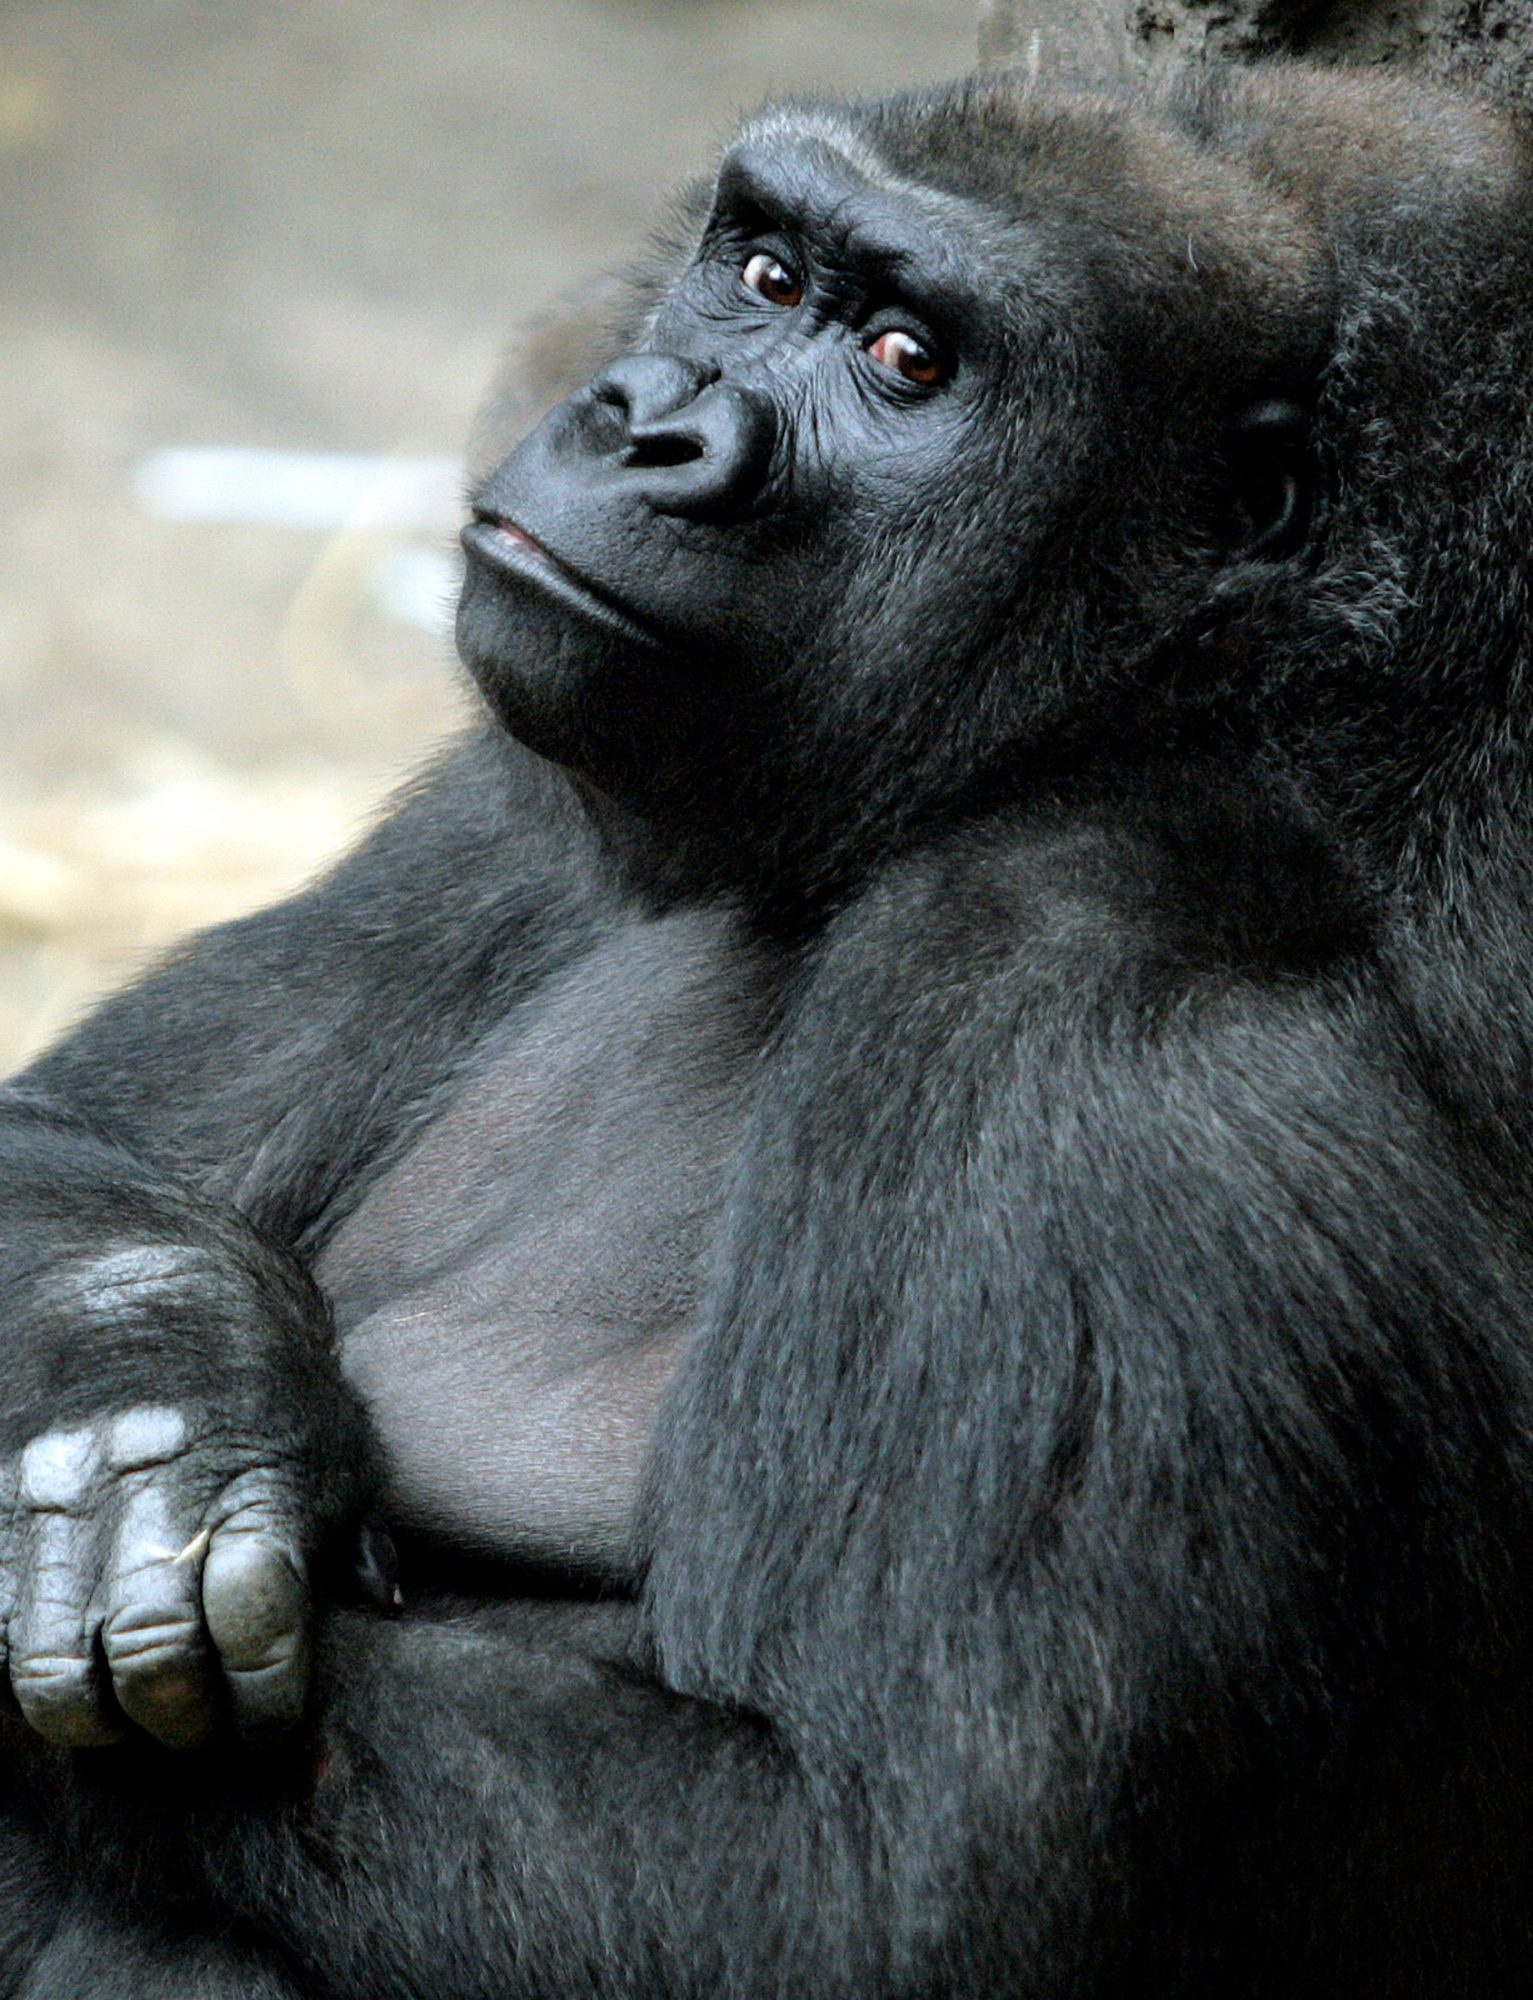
{"x":976,"y":424}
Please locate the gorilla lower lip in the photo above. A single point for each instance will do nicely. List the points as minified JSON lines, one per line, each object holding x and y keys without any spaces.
{"x":502,"y":545}
{"x":519,"y":538}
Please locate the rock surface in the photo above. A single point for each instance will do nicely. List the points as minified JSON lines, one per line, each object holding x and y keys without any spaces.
{"x":1489,"y":42}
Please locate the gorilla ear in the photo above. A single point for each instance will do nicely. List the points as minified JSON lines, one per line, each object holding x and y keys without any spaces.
{"x":1272,"y":481}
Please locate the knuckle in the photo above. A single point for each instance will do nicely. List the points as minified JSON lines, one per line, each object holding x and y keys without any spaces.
{"x":254,"y":1599}
{"x":46,"y":1680}
{"x":175,"y":1703}
{"x":271,"y":1694}
{"x":57,"y":1695}
{"x":55,"y":1587}
{"x":57,"y":1471}
{"x":145,"y":1438}
{"x":260,"y":1497}
{"x":275,"y":1658}
{"x":153,"y":1538}
{"x":140,"y":1648}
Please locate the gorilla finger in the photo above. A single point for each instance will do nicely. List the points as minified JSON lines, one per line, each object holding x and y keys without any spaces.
{"x":255,"y":1603}
{"x":55,"y":1674}
{"x":151,"y":1625}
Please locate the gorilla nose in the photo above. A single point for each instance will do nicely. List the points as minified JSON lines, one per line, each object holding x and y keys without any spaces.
{"x":693,"y":445}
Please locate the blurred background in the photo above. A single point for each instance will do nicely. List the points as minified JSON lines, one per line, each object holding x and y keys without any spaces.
{"x":258,"y":262}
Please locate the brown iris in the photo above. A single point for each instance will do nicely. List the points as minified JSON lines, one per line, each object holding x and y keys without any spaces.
{"x":907,"y":356}
{"x":773,"y":280}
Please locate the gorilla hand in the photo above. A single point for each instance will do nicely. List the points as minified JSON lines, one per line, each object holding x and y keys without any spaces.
{"x":175,"y":1466}
{"x":154,"y":1568}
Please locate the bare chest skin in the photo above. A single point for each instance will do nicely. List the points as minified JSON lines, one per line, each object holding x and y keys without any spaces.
{"x":514,"y":1292}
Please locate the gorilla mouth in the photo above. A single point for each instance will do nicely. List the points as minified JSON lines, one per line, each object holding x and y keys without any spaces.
{"x":502,"y":545}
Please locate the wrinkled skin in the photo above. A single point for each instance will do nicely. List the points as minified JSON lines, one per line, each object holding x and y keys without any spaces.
{"x":906,"y":1174}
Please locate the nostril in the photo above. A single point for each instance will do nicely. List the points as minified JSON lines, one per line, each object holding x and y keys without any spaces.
{"x":663,"y":448}
{"x":676,"y":436}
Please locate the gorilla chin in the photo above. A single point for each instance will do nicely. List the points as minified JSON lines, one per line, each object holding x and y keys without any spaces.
{"x":565,"y":671}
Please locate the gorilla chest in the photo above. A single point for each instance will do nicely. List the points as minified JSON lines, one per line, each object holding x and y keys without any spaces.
{"x":513,"y":1293}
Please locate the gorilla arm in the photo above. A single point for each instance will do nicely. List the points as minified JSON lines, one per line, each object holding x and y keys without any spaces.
{"x":1090,"y":1308}
{"x":172,"y":1410}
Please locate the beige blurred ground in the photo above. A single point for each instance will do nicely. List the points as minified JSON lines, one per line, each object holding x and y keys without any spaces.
{"x":306,"y":227}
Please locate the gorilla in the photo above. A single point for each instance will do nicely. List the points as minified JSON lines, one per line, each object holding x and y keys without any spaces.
{"x":904,"y":1182}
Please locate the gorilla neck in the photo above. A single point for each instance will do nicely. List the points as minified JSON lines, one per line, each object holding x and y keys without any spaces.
{"x":781,"y":843}
{"x":710,"y":845}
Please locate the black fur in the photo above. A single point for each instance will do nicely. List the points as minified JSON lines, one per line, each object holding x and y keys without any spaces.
{"x":988,"y":1036}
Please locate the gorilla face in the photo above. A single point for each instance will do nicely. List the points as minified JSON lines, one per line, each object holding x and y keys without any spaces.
{"x":827,"y":535}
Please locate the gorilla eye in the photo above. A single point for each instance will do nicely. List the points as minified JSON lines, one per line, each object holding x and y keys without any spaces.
{"x":774,"y":281}
{"x":907,"y":356}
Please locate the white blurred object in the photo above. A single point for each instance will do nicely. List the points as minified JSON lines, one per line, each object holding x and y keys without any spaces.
{"x":299,"y":489}
{"x":418,"y":587}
